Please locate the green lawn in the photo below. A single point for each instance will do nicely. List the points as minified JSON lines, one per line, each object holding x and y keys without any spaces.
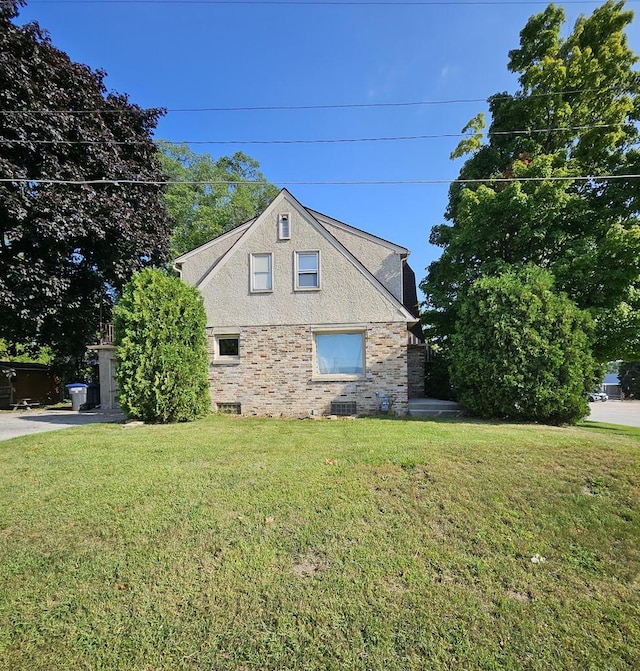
{"x":237,"y":543}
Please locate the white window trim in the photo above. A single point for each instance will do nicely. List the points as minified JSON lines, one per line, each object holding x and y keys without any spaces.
{"x":297,"y":271}
{"x":252,"y":273}
{"x":281,"y":217}
{"x":337,"y":330}
{"x":218,"y":358}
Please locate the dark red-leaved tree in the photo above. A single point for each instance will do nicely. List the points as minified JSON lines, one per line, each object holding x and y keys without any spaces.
{"x":66,"y":248}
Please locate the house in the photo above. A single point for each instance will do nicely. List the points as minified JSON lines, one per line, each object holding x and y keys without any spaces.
{"x":307,"y":316}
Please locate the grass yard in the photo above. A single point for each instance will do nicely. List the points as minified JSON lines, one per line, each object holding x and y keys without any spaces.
{"x":245,"y":544}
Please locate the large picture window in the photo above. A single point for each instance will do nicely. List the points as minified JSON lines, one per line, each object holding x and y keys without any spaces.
{"x":307,"y":270}
{"x":339,"y":353}
{"x":261,"y":272}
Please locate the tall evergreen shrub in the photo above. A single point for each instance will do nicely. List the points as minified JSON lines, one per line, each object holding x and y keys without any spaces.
{"x":162,"y":355}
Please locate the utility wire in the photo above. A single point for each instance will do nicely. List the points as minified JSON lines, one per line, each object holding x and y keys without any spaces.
{"x":279,"y":108}
{"x":398,"y":138}
{"x":158,"y":183}
{"x":334,"y":3}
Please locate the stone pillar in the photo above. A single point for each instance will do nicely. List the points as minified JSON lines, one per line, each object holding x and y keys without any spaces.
{"x":107,"y":367}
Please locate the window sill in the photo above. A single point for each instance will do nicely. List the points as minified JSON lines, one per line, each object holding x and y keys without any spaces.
{"x":336,"y":378}
{"x":307,"y":289}
{"x":225,"y":362}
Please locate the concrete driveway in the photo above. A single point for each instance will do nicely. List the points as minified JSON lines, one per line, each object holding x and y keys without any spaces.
{"x":24,"y":422}
{"x":626,"y":413}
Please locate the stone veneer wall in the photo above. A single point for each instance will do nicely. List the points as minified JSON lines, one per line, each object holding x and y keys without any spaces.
{"x":416,"y":364}
{"x":273,"y":375}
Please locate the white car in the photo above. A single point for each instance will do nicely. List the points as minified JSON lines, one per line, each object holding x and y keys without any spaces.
{"x":598,"y":396}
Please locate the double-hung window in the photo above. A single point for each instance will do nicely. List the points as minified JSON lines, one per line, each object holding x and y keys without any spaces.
{"x":307,"y":270}
{"x":339,"y":353}
{"x":261,"y":272}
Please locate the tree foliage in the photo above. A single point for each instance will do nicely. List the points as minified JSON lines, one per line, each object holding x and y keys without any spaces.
{"x":574,"y":115}
{"x":520,"y":351}
{"x":65,"y":248}
{"x":162,"y":369}
{"x":629,"y":376}
{"x":208,"y":202}
{"x":437,"y":378}
{"x":18,"y":353}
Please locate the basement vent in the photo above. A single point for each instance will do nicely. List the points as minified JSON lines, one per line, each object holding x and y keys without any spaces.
{"x":343,"y":408}
{"x":229,"y":408}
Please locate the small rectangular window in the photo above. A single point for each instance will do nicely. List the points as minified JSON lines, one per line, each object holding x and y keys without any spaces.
{"x":227,"y":347}
{"x":284,"y":227}
{"x":261,"y":272}
{"x":339,"y":354}
{"x":229,"y":408}
{"x":307,"y":270}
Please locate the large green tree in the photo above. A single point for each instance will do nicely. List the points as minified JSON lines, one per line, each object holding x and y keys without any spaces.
{"x":65,"y":248}
{"x":574,"y":116}
{"x":213,"y":196}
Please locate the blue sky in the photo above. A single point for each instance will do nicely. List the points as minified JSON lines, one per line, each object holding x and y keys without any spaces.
{"x":205,"y":54}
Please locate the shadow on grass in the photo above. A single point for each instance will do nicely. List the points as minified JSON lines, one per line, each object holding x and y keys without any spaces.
{"x":601,"y":427}
{"x":443,"y":419}
{"x":616,"y":429}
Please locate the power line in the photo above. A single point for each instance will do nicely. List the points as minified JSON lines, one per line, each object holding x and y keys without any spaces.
{"x":383,"y":182}
{"x":329,"y":106}
{"x":310,"y":3}
{"x":395,"y":138}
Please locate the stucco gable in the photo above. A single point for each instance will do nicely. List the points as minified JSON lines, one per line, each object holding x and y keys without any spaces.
{"x":383,"y":259}
{"x":196,"y":264}
{"x":336,"y":225}
{"x":260,"y":236}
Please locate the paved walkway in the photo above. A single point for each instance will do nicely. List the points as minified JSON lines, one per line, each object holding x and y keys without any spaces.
{"x":24,"y":422}
{"x":626,"y":413}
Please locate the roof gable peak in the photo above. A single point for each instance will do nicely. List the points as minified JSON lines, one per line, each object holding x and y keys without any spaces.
{"x":310,"y":217}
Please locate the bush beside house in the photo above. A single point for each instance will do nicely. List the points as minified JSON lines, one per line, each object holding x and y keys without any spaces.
{"x":522,"y":352}
{"x":162,"y":354}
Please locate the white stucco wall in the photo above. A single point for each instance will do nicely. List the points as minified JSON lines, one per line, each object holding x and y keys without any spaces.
{"x":381,"y":260}
{"x":197,"y":263}
{"x":346,"y":295}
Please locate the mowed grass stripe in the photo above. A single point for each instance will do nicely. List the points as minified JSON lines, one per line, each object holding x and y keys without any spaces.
{"x":236,"y":543}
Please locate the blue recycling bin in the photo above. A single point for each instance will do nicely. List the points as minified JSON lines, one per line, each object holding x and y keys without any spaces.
{"x":78,"y":393}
